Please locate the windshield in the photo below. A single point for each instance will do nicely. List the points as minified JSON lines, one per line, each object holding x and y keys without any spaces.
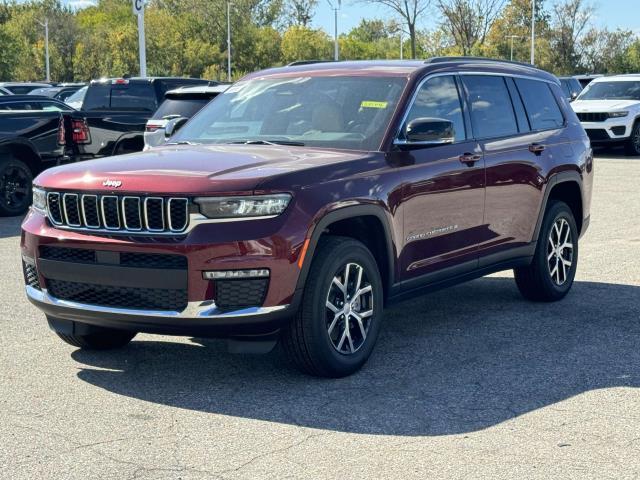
{"x":76,"y":99}
{"x":612,"y":91}
{"x":350,"y":112}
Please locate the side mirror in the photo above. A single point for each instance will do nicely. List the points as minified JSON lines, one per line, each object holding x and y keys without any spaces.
{"x":428,"y":131}
{"x":173,"y":126}
{"x":574,"y":95}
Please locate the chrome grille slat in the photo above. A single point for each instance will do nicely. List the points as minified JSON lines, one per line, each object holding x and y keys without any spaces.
{"x":119,"y":214}
{"x":71,"y":209}
{"x":90,"y":211}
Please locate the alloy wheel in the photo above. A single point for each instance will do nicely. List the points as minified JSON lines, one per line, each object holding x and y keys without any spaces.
{"x":560,"y":251}
{"x":349,"y":308}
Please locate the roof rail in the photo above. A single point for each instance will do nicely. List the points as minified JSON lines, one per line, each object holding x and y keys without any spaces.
{"x":475,"y":59}
{"x":307,"y":62}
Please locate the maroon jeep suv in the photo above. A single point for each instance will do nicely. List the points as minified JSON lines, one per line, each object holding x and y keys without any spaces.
{"x":300,"y":202}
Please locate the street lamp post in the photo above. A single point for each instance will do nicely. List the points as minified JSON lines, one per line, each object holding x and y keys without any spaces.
{"x":46,"y":47}
{"x":335,"y":6}
{"x":533,"y":32}
{"x":228,"y":41}
{"x":512,"y":37}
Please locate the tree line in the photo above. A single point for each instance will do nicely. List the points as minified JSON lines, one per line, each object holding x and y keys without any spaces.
{"x":188,"y":37}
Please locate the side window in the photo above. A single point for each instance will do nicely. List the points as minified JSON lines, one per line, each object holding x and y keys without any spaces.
{"x":542,"y":108}
{"x":491,"y":109}
{"x":438,"y":98}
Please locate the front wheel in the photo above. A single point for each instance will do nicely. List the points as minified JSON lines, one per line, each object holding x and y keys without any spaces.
{"x":335,"y":329}
{"x":553,"y":269}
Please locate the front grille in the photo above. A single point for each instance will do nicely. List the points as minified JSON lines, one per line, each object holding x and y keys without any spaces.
{"x":30,"y":275}
{"x":592,"y":116}
{"x":134,"y":214}
{"x":126,"y":259}
{"x":119,"y":297}
{"x":241,"y":293}
{"x":597,"y":134}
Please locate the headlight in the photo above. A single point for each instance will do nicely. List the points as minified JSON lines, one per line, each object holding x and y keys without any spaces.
{"x":618,"y":114}
{"x":39,"y":200}
{"x":237,"y":207}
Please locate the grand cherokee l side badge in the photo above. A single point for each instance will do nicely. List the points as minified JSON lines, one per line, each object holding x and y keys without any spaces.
{"x":112,"y":183}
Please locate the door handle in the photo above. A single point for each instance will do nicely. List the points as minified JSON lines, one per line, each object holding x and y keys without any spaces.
{"x":536,"y":148}
{"x":469,"y":158}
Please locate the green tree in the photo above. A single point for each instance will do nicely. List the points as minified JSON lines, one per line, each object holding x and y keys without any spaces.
{"x":302,"y":43}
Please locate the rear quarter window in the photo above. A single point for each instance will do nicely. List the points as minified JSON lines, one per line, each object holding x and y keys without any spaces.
{"x":542,"y":108}
{"x":134,"y":97}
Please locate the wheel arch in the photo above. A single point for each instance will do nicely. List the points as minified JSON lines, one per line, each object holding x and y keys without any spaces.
{"x":567,"y":187}
{"x":366,"y":223}
{"x":25,"y":152}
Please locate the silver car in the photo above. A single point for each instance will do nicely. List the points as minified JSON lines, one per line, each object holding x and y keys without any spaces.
{"x":183,"y":102}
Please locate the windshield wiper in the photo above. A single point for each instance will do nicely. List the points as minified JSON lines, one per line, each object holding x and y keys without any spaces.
{"x":267,"y":142}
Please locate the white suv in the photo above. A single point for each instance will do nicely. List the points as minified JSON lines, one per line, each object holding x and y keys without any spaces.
{"x":609,"y":110}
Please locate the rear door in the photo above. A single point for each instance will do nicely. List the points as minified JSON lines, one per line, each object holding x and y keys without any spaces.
{"x":518,"y":145}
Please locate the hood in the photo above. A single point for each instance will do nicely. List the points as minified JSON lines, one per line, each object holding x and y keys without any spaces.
{"x":189,"y":169}
{"x":580,"y":106}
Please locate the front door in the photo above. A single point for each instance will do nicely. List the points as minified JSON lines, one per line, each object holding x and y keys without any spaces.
{"x":443,"y":194}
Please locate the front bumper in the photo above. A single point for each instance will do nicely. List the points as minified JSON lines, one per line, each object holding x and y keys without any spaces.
{"x":198,"y":319}
{"x":613,"y":130}
{"x":260,"y":244}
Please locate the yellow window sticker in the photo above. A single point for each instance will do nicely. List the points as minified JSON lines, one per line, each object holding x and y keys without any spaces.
{"x":371,"y":104}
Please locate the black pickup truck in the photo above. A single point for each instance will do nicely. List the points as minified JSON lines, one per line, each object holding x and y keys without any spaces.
{"x":30,"y":142}
{"x":115,"y":111}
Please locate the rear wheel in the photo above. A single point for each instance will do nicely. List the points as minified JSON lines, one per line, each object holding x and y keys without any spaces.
{"x":336,"y":327}
{"x":15,"y":187}
{"x":632,"y":147}
{"x":551,"y":273}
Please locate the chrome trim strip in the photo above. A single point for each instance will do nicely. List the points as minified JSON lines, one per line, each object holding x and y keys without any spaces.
{"x":124,"y":214}
{"x":104,"y":218}
{"x":204,"y":309}
{"x":169,"y":216}
{"x":64,"y":207}
{"x":84,"y":216}
{"x":146,"y":214}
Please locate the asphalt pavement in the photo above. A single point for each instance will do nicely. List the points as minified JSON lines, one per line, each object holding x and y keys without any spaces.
{"x":469,"y":382}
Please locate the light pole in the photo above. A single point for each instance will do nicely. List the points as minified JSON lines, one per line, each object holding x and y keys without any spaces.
{"x":335,"y":6}
{"x":512,"y":37}
{"x":533,"y":32}
{"x":228,"y":41}
{"x":46,"y":47}
{"x":401,"y":46}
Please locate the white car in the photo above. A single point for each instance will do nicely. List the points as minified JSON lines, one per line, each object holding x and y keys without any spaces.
{"x":609,"y":110}
{"x":183,"y":102}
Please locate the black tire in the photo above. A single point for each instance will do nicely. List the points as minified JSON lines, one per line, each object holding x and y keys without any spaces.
{"x":632,"y":145}
{"x":307,"y":340}
{"x":106,"y":339}
{"x":15,"y":187}
{"x":545,"y":279}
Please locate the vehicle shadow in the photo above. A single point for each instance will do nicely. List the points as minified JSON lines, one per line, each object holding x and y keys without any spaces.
{"x":455,"y":361}
{"x":10,"y":226}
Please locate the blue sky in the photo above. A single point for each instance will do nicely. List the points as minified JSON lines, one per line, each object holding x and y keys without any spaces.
{"x":609,"y":13}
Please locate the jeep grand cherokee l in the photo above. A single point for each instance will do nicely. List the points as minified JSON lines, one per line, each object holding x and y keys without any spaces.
{"x":302,"y":200}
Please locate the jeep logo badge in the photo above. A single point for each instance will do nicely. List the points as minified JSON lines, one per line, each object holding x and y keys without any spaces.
{"x":112,"y":183}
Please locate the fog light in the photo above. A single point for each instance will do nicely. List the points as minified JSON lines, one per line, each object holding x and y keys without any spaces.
{"x":236,"y":274}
